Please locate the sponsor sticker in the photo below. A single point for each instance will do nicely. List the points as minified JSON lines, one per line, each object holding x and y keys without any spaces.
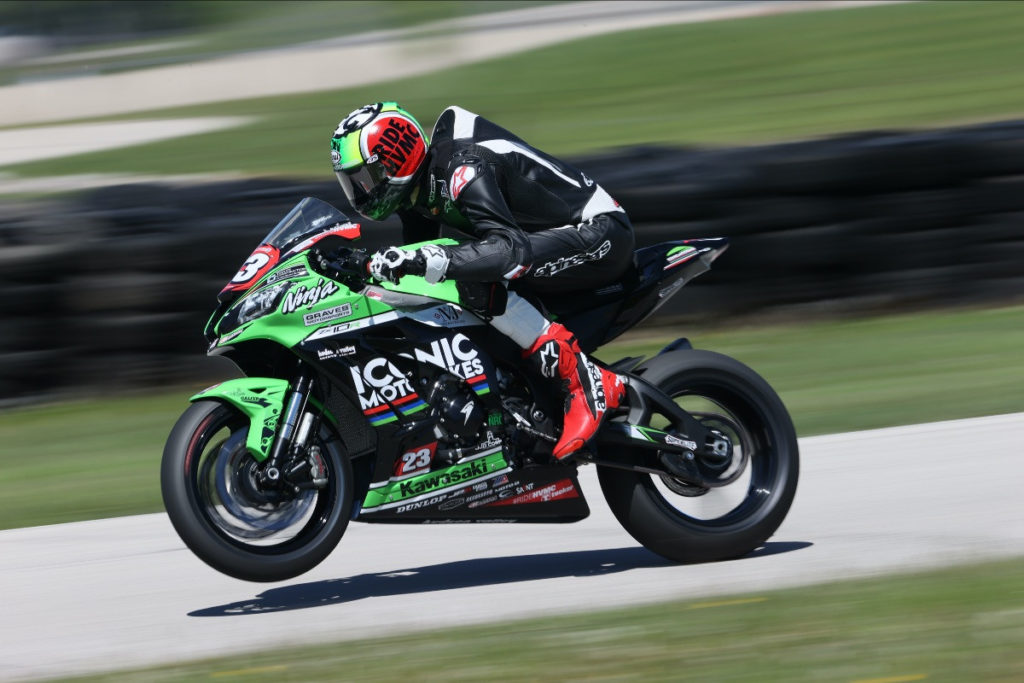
{"x":452,"y":504}
{"x":416,"y":505}
{"x":327,"y":315}
{"x":397,"y":144}
{"x":289,"y":273}
{"x":378,"y":380}
{"x":676,"y":441}
{"x":326,"y":354}
{"x":560,"y":490}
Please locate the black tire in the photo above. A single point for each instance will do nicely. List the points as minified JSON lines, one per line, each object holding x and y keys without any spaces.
{"x":203,"y":522}
{"x":648,"y":510}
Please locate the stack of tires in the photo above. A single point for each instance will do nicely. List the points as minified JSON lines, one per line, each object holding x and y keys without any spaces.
{"x":112,"y":288}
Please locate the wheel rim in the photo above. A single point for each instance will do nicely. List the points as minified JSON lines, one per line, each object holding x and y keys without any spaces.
{"x":753,"y":464}
{"x":221,"y":484}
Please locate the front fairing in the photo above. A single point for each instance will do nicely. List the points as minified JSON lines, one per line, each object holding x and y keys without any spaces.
{"x":293,"y":302}
{"x":310,"y":222}
{"x":290,"y":303}
{"x":277,"y":295}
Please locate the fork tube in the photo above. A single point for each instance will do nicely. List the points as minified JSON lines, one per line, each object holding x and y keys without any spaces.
{"x":296,"y":406}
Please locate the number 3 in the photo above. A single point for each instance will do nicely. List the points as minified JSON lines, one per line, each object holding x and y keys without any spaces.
{"x":250,"y":268}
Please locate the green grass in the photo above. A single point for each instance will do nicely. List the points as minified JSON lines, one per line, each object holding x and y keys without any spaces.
{"x":963,"y":624}
{"x":729,"y":82}
{"x":875,"y":372}
{"x":245,"y":25}
{"x":93,"y":459}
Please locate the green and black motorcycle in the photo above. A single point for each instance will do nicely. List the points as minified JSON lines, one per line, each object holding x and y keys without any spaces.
{"x":399,"y":403}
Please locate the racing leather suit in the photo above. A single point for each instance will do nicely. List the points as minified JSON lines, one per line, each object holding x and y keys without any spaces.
{"x":532,"y":216}
{"x":538,"y":222}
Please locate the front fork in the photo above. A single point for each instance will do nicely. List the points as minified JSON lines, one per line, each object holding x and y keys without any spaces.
{"x":291,"y":464}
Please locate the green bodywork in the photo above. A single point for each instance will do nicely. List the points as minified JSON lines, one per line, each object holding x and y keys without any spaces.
{"x":294,"y":316}
{"x":261,"y":399}
{"x":308,"y":302}
{"x":423,"y":486}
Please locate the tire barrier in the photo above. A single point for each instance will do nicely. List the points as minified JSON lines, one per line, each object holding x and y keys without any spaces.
{"x":111,"y":288}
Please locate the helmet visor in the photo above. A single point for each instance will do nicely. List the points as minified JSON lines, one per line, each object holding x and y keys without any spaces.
{"x":367,"y":188}
{"x":359,"y":182}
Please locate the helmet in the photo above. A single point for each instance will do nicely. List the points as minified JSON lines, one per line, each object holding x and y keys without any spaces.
{"x":377,"y":152}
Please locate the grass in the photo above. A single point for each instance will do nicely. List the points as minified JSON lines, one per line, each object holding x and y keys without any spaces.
{"x":246,"y":25}
{"x":100,"y":458}
{"x":729,"y":82}
{"x":962,"y":624}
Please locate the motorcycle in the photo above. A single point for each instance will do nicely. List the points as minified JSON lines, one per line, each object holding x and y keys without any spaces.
{"x":398,"y":403}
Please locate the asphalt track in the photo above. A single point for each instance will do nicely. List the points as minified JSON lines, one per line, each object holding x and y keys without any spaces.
{"x":118,"y":593}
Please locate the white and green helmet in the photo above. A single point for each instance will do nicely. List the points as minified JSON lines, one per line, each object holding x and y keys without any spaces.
{"x":378,"y":151}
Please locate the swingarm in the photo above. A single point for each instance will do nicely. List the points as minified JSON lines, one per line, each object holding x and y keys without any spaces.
{"x":688,"y":450}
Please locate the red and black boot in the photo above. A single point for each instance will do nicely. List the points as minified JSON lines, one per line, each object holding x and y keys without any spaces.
{"x":590,"y":390}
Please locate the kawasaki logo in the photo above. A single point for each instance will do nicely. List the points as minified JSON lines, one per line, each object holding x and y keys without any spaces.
{"x":470,"y":471}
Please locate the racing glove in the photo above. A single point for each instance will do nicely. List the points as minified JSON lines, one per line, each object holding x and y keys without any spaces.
{"x":429,"y":261}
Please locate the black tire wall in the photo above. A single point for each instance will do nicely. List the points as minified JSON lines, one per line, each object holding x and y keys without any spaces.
{"x":111,"y":288}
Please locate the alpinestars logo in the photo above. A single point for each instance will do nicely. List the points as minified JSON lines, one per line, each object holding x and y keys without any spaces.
{"x":549,"y":355}
{"x":461,"y":178}
{"x":552,"y":268}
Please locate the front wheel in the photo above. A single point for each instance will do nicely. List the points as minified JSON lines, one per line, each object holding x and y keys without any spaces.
{"x":688,"y":523}
{"x":211,"y":492}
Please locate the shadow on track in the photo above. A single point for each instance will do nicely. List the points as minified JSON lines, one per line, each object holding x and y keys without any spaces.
{"x":462,"y":574}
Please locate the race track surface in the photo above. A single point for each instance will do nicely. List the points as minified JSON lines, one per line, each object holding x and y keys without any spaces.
{"x":118,"y":593}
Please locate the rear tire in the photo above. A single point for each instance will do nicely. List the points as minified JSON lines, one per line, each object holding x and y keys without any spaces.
{"x":650,"y":510}
{"x":206,"y":480}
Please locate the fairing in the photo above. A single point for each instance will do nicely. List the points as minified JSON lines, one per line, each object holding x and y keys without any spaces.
{"x":308,"y":223}
{"x":384,"y":347}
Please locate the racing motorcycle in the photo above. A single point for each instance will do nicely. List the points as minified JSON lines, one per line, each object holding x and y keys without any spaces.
{"x":398,"y":403}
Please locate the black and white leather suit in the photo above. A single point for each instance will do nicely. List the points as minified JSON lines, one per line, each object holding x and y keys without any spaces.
{"x":534,"y":219}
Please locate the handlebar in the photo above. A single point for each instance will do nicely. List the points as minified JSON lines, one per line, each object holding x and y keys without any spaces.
{"x":347,"y":265}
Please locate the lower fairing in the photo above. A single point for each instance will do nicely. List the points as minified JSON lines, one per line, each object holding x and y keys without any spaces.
{"x":532,"y":494}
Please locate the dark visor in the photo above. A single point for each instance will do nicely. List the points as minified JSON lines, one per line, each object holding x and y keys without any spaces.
{"x":358,"y":183}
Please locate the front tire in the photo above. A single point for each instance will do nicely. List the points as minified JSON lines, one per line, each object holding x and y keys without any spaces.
{"x":678,"y":520}
{"x":207,"y":480}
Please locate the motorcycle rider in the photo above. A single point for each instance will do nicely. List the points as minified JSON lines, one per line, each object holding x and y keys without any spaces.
{"x":537,"y":224}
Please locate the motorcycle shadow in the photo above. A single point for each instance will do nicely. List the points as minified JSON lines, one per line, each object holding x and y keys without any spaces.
{"x":461,"y":574}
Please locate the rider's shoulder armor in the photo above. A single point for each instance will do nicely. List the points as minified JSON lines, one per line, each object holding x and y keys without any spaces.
{"x":540,"y":191}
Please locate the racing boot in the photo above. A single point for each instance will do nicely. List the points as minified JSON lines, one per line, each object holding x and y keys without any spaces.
{"x":590,"y":390}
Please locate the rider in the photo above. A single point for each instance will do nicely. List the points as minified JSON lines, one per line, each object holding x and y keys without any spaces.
{"x":537,"y":223}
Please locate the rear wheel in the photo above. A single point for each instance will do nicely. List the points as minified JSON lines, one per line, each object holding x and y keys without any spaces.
{"x":689,"y":523}
{"x":216,"y":505}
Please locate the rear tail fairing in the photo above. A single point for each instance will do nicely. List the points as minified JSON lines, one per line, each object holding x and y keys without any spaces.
{"x":661,"y":270}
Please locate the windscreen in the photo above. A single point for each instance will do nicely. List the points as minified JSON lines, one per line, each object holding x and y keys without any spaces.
{"x":309,"y":217}
{"x":307,"y":223}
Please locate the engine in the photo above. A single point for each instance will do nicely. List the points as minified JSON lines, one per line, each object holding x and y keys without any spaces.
{"x":461,"y":417}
